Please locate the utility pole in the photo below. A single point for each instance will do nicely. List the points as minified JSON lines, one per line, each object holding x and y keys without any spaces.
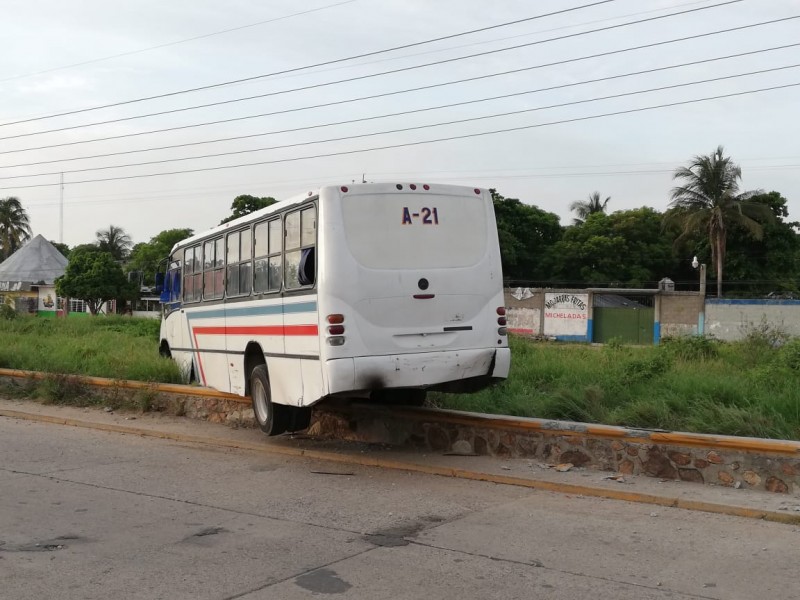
{"x":61,"y":213}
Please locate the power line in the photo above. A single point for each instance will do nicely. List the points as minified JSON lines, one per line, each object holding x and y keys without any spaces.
{"x":253,"y":135}
{"x":404,"y":129}
{"x":474,"y":176}
{"x":539,"y":66}
{"x":175,"y":43}
{"x":331,"y":62}
{"x":362,"y":77}
{"x":417,"y":143}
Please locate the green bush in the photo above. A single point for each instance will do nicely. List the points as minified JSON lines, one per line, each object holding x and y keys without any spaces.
{"x":7,"y":312}
{"x":691,"y":347}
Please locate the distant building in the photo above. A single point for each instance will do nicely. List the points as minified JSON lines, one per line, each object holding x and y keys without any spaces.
{"x":27,"y":278}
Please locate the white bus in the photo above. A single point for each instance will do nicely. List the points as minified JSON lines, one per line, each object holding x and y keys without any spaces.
{"x":380,"y":291}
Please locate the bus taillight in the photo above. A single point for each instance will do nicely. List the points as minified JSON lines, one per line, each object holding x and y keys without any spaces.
{"x":335,"y":329}
{"x":501,"y":320}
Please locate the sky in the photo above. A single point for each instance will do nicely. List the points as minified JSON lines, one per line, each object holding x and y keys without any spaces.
{"x":556,"y":147}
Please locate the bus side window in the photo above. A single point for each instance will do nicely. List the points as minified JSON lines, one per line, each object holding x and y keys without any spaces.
{"x":213,"y":273}
{"x":267,"y":253}
{"x":239,"y":265}
{"x":300,"y":240}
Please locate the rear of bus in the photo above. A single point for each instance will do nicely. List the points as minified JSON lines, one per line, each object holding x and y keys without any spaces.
{"x":410,"y":289}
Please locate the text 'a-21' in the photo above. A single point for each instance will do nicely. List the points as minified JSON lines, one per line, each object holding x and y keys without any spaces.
{"x":425,"y":215}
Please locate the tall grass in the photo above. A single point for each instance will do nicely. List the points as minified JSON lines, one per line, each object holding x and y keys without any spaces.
{"x":115,"y":347}
{"x":749,"y":388}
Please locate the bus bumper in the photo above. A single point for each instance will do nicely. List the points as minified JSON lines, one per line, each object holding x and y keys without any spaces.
{"x":421,"y":370}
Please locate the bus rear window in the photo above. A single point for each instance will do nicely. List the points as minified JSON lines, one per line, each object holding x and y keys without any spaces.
{"x":406,"y":231}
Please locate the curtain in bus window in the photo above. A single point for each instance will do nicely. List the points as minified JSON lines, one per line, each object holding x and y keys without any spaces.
{"x":306,"y":271}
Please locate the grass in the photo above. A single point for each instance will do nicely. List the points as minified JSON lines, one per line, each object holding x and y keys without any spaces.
{"x":749,"y":388}
{"x":114,"y":347}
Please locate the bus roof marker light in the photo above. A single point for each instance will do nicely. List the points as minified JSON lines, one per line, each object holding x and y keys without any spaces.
{"x":399,"y":186}
{"x":477,"y":191}
{"x":344,"y":189}
{"x":426,"y":187}
{"x":413,"y":186}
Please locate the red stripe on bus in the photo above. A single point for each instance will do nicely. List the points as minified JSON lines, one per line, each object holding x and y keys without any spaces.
{"x":283,"y":330}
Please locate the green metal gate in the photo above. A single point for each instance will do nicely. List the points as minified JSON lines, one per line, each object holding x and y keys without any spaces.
{"x":630,"y":322}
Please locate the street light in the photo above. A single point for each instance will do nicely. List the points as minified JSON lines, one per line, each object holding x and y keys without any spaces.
{"x":701,"y":316}
{"x":695,"y":264}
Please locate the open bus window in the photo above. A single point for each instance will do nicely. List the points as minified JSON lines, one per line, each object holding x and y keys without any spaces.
{"x":300,"y":240}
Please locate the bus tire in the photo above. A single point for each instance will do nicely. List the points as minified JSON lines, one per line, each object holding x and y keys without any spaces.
{"x":271,"y":418}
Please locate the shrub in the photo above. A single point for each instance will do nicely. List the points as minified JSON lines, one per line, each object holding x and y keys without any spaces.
{"x":691,"y":348}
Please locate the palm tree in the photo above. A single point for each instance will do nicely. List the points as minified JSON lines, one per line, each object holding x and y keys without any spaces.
{"x":15,"y":228}
{"x":709,"y":200}
{"x":115,"y":241}
{"x":587,"y":207}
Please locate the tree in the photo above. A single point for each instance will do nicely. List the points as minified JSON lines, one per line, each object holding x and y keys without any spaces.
{"x":590,"y":206}
{"x":623,"y":249}
{"x":146,"y":256}
{"x":63,"y":248}
{"x":94,"y":276}
{"x":770,"y":264}
{"x":246,"y":204}
{"x":710,"y":201}
{"x":525,"y":232}
{"x":115,"y":241}
{"x":15,"y":228}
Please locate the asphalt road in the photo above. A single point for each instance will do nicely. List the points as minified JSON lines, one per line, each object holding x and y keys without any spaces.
{"x":95,"y":515}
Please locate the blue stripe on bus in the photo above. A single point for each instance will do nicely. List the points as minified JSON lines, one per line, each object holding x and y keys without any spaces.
{"x":250,"y":311}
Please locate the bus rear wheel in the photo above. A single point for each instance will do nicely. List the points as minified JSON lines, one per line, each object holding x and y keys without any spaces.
{"x":271,"y":417}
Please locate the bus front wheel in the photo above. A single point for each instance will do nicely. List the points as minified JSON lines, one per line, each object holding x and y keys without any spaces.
{"x":271,"y":418}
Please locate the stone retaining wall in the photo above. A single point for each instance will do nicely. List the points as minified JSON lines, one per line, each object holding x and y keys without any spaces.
{"x":629,"y":453}
{"x":559,"y":445}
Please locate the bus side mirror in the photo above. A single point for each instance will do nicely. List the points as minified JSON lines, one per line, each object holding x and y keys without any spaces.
{"x":159,"y":283}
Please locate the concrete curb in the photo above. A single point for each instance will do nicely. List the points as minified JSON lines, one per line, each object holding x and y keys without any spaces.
{"x":442,"y":471}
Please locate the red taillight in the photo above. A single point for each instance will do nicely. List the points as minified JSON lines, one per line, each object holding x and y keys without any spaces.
{"x":501,"y":310}
{"x":344,"y":189}
{"x":501,"y":320}
{"x":335,"y":319}
{"x":424,"y":296}
{"x":336,"y":329}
